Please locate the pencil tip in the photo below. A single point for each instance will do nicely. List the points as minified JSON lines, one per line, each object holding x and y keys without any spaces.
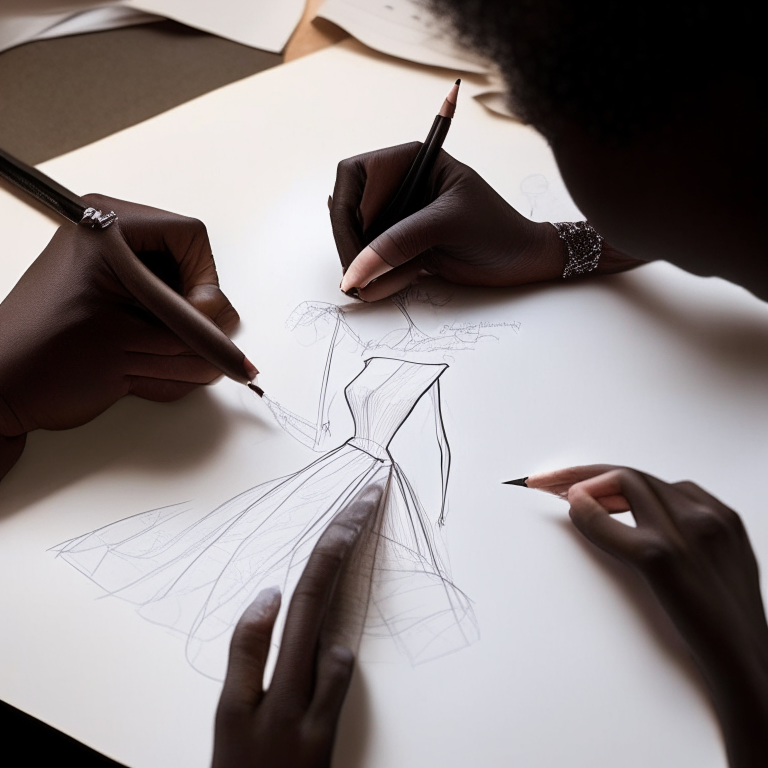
{"x":458,"y":82}
{"x":521,"y":481}
{"x":255,"y":388}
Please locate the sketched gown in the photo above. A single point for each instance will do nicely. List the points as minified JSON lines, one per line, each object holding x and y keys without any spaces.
{"x":197,"y":577}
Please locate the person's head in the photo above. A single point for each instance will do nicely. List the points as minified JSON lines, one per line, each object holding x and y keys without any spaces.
{"x":654,"y":111}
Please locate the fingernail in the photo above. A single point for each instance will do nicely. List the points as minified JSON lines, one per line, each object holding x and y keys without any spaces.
{"x":251,"y":370}
{"x":267,"y":599}
{"x":270,"y":594}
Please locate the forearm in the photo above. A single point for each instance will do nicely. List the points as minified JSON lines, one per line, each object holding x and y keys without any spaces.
{"x":739,"y":688}
{"x":613,"y":260}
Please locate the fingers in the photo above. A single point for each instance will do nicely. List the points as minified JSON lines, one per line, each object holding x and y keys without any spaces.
{"x":178,"y":314}
{"x":594,"y":521}
{"x":367,"y":266}
{"x":334,"y":674}
{"x":188,"y":368}
{"x":344,"y":207}
{"x":401,"y":243}
{"x":559,"y":482}
{"x":147,"y":229}
{"x":392,"y":282}
{"x":295,"y":669}
{"x":211,"y":301}
{"x":634,"y":486}
{"x":364,"y":185}
{"x":248,"y":651}
{"x":159,"y":390}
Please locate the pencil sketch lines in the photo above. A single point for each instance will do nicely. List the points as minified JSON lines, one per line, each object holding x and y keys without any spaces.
{"x":196,"y":576}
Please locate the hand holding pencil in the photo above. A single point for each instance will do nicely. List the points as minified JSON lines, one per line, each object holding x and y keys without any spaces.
{"x":694,"y":553}
{"x":404,"y":210}
{"x":88,"y":323}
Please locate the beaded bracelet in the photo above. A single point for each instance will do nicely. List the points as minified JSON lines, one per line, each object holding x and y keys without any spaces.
{"x":584,"y":246}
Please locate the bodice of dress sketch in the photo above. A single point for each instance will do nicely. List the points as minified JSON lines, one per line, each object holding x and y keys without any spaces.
{"x":383,"y":395}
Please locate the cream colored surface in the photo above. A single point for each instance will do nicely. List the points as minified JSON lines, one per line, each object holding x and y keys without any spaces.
{"x":265,"y":24}
{"x":576,"y":666}
{"x":402,"y":28}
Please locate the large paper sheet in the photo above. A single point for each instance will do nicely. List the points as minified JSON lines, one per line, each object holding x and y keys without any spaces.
{"x":402,"y":28}
{"x":98,"y":20}
{"x":575,"y":665}
{"x":263,"y":24}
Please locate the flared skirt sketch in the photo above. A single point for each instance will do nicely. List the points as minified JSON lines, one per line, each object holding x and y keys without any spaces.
{"x":197,"y":576}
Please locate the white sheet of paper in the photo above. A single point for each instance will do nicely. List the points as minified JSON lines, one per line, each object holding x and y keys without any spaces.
{"x":404,"y":29}
{"x":98,"y":20}
{"x":575,"y":665}
{"x":261,"y":24}
{"x":24,"y":20}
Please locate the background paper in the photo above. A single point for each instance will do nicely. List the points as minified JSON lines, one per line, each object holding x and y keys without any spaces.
{"x":656,"y":369}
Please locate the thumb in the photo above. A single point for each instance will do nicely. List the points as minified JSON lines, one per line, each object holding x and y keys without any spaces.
{"x":401,"y":243}
{"x":212,"y":301}
{"x":595,"y":523}
{"x":193,"y":327}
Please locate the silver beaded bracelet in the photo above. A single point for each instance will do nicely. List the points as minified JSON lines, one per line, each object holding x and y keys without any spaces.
{"x":584,"y":246}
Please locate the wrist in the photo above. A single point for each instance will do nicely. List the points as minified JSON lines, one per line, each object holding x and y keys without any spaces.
{"x":547,"y":251}
{"x":738,"y":682}
{"x":613,"y":260}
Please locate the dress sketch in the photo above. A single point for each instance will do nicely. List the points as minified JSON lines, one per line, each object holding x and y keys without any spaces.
{"x":197,"y":576}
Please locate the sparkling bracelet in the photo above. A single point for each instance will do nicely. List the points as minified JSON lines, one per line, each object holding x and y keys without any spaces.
{"x":584,"y":246}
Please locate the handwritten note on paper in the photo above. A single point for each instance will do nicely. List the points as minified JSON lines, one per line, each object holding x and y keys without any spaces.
{"x":404,"y":29}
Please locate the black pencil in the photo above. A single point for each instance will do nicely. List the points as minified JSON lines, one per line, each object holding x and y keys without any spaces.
{"x":189,"y":323}
{"x":51,"y":193}
{"x":412,"y":194}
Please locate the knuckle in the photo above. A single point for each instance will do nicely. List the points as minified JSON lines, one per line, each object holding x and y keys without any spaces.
{"x":628,"y":474}
{"x":229,"y":710}
{"x":95,"y":199}
{"x":704,"y":524}
{"x":282,"y":711}
{"x":340,"y":663}
{"x":197,"y":225}
{"x":346,"y":164}
{"x":317,"y":732}
{"x":654,"y":555}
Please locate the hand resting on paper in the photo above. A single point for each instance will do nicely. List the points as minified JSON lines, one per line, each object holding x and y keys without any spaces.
{"x":696,"y":557}
{"x":467,"y":234}
{"x":293,"y":723}
{"x":73,"y":339}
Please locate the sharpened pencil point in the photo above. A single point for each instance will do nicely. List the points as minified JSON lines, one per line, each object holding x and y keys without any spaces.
{"x":255,"y":388}
{"x":521,"y":481}
{"x":458,"y":82}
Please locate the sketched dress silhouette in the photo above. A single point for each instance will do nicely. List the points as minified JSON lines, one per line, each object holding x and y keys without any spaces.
{"x":198,"y":577}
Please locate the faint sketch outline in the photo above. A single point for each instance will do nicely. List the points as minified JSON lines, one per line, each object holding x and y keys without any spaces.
{"x":196,"y":576}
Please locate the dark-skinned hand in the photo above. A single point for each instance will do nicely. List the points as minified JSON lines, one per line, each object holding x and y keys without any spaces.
{"x":73,"y":338}
{"x":695,"y":555}
{"x":293,"y":723}
{"x":467,"y":233}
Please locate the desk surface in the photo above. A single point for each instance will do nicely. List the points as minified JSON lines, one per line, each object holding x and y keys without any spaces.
{"x":59,"y":95}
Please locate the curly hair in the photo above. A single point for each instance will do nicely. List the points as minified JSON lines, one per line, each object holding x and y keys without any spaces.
{"x":614,"y":68}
